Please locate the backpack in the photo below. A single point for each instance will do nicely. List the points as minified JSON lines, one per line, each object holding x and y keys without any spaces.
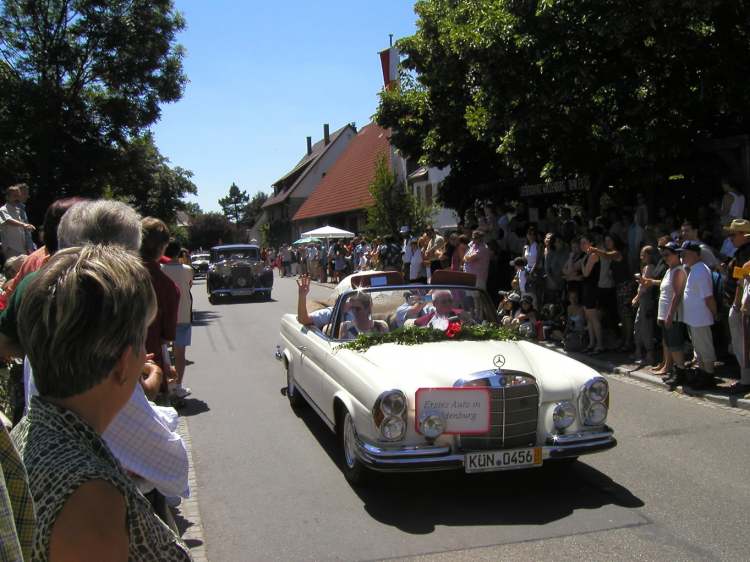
{"x":718,"y":284}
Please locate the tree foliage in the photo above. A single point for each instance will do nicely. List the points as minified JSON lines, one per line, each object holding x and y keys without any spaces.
{"x":210,"y":229}
{"x":79,"y":81}
{"x":519,"y":90}
{"x":254,"y":209}
{"x":233,"y":204}
{"x":145,"y":180}
{"x":393,"y":205}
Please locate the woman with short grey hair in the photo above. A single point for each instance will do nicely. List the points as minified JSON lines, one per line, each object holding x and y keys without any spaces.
{"x":83,"y":321}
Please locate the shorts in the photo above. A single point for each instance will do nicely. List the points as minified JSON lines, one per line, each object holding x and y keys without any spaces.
{"x":675,"y":336}
{"x":183,"y":335}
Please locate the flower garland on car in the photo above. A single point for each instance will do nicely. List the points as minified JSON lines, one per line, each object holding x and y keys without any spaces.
{"x":415,"y":336}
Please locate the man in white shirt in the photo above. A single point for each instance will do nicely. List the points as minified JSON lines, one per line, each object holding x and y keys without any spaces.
{"x":699,"y":308}
{"x":688,"y":233}
{"x":182,"y":275}
{"x":13,"y":224}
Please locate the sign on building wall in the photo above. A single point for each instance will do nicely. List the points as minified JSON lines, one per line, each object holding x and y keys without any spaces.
{"x":554,"y":187}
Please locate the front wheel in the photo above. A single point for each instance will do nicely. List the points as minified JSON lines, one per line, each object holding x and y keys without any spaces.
{"x":355,"y":472}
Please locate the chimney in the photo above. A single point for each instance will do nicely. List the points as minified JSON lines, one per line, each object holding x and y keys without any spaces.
{"x":309,"y":146}
{"x":326,"y":134}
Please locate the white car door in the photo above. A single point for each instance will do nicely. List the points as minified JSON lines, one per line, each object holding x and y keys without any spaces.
{"x":315,"y":359}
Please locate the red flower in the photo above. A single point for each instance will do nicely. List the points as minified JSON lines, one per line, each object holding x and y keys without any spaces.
{"x":454,"y":328}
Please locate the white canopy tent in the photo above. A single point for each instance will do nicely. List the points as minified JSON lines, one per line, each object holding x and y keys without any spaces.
{"x":327,"y":232}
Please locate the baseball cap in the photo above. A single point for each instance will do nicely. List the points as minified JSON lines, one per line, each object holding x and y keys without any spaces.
{"x":738,"y":225}
{"x":690,"y":246}
{"x":673,"y":247}
{"x":514,"y":297}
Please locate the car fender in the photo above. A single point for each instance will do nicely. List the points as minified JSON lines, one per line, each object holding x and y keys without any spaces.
{"x":359,"y":413}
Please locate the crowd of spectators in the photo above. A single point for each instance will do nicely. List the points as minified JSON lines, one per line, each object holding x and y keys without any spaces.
{"x":663,"y":288}
{"x":88,"y":470}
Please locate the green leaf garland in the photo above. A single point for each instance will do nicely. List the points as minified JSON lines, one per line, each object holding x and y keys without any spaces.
{"x":415,"y":336}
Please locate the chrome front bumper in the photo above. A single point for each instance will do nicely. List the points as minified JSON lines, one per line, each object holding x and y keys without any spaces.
{"x":427,"y":457}
{"x":244,"y":292}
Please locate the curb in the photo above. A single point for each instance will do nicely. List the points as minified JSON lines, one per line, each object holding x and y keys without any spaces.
{"x":189,"y":509}
{"x":608,"y":366}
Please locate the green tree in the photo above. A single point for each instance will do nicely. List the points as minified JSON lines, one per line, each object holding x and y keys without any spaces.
{"x":509,"y":90}
{"x":78,"y":81}
{"x":254,"y":209}
{"x":192,"y":208}
{"x":393,"y":205}
{"x":210,"y":229}
{"x":144,"y":179}
{"x":233,"y":204}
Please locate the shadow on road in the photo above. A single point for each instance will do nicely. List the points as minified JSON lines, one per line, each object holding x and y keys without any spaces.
{"x":182,"y":526}
{"x":204,"y":317}
{"x":192,"y":407}
{"x":416,"y":503}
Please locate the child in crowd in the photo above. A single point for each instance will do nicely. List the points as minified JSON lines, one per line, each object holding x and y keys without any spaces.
{"x":508,"y":307}
{"x":525,"y":317}
{"x":520,"y":279}
{"x":576,"y":335}
{"x":645,"y":303}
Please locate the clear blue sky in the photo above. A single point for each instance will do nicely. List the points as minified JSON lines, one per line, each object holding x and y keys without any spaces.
{"x":265,"y":75}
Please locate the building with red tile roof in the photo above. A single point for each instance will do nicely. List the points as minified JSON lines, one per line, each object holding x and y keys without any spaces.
{"x":343,"y":195}
{"x":293,"y":188}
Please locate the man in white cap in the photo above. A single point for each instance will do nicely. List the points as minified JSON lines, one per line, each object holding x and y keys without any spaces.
{"x":739,"y":328}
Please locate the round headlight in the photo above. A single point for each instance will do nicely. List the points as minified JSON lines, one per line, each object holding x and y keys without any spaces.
{"x":432,"y":425}
{"x":596,"y":414}
{"x":598,"y":390}
{"x":393,"y":403}
{"x":563,"y":415}
{"x":393,"y":428}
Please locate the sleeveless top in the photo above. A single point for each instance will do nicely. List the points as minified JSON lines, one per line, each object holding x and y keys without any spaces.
{"x":666,"y":291}
{"x":737,"y":210}
{"x":61,"y":452}
{"x":606,"y":281}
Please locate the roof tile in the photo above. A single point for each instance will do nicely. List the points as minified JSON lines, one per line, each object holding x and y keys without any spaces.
{"x":346,"y":186}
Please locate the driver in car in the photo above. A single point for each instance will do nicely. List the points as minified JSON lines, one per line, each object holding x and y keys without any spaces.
{"x":360,"y":307}
{"x":318,"y":318}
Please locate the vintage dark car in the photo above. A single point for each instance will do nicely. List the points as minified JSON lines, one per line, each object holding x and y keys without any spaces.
{"x":237,"y":270}
{"x":199,"y":262}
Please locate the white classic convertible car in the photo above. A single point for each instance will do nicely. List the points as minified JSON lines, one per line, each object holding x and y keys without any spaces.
{"x":425,"y":389}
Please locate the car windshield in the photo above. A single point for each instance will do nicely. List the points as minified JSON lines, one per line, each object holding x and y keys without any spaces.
{"x":423,"y":306}
{"x":251,"y":254}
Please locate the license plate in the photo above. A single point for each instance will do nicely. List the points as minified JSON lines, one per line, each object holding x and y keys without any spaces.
{"x":487,"y":461}
{"x":242,"y":292}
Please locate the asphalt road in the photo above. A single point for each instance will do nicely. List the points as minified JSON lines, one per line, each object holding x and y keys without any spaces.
{"x":676,"y":487}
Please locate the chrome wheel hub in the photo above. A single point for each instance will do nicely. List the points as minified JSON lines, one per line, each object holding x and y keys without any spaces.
{"x":350,"y":454}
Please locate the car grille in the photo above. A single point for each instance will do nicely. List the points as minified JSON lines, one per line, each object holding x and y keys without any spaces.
{"x":514,"y":411}
{"x":242,"y":277}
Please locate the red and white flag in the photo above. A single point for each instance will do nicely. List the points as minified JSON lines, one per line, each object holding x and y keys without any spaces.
{"x":389,"y":60}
